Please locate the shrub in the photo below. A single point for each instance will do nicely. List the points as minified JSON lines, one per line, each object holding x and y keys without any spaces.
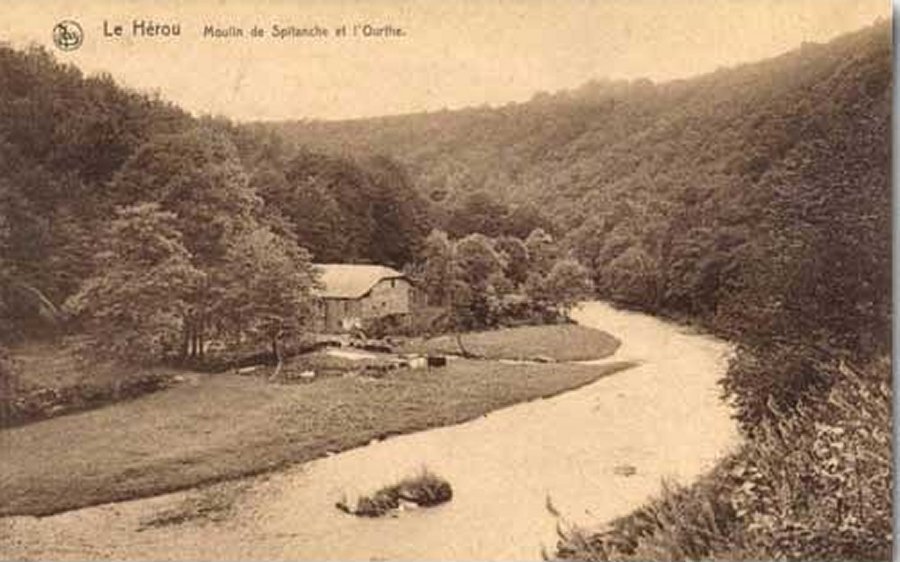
{"x":812,"y":482}
{"x":818,"y":480}
{"x":683,"y":523}
{"x":763,"y":381}
{"x":390,"y":325}
{"x":424,"y":490}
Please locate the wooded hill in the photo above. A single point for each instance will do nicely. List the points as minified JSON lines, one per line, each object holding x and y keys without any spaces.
{"x":92,"y":176}
{"x":755,"y":201}
{"x":760,"y":187}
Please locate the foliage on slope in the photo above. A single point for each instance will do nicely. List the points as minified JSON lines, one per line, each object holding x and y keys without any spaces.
{"x":755,"y":198}
{"x":754,"y":201}
{"x":815,"y":483}
{"x":99,"y":184}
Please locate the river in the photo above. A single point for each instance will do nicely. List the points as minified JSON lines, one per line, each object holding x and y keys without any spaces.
{"x":596,"y":453}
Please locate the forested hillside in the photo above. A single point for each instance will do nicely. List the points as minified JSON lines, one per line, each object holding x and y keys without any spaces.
{"x":752,"y":185}
{"x":101,"y":187}
{"x":755,"y":201}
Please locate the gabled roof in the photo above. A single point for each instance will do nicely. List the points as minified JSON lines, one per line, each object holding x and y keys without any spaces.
{"x":350,"y":281}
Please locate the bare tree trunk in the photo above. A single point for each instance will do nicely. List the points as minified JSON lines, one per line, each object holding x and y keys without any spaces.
{"x":193,"y":341}
{"x":276,"y":355}
{"x":185,"y":339}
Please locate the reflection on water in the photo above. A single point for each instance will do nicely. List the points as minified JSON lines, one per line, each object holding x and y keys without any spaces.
{"x":596,"y":452}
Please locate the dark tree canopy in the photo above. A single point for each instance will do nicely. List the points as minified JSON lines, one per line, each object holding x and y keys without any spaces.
{"x":756,"y":198}
{"x":75,"y":151}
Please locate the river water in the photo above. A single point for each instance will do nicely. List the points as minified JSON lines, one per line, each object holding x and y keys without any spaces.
{"x":596,"y":453}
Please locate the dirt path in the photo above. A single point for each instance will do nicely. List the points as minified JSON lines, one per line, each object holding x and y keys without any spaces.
{"x":597,"y":452}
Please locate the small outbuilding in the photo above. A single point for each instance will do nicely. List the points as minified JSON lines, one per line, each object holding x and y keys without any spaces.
{"x":352,"y":295}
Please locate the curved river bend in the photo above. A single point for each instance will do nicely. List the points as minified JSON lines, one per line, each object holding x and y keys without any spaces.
{"x":597,"y":452}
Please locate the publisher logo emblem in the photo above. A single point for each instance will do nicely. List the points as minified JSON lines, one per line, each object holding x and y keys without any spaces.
{"x":68,"y":35}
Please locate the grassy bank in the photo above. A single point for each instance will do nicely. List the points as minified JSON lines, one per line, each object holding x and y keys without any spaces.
{"x":560,"y":342}
{"x":217,"y":427}
{"x":54,"y":365}
{"x":810,"y":484}
{"x":49,"y":379}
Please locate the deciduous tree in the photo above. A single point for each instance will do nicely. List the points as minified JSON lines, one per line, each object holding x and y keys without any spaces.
{"x":267,"y":290}
{"x":568,"y":283}
{"x":135,"y":307}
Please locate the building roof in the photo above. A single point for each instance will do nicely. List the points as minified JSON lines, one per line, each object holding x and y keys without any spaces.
{"x":351,"y":281}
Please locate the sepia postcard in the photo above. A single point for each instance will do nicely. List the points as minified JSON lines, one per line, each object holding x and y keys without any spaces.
{"x":467,"y":280}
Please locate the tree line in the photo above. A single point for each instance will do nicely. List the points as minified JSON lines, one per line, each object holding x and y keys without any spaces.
{"x":151,"y":232}
{"x":146,"y":233}
{"x":696,"y":197}
{"x":753,"y":201}
{"x":484,"y":282}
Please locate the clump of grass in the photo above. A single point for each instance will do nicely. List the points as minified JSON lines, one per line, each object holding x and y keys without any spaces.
{"x":210,"y":504}
{"x":682,"y":523}
{"x":424,"y":490}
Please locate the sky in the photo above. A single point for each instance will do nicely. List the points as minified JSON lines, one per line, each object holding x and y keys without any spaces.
{"x":452,"y":54}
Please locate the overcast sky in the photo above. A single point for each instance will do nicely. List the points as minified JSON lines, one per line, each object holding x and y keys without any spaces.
{"x":454,"y":53}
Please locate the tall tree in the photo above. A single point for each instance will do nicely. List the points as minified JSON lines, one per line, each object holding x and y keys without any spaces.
{"x":439,"y":271}
{"x":267,"y":290}
{"x":480,"y":213}
{"x":136,"y":306}
{"x":333,"y":210}
{"x":567,"y":283}
{"x":400,"y":213}
{"x":516,"y":258}
{"x":197,"y":176}
{"x":542,"y":251}
{"x":479,"y":272}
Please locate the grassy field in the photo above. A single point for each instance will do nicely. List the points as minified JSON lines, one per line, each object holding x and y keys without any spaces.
{"x":217,"y":427}
{"x":561,"y":342}
{"x":52,"y":365}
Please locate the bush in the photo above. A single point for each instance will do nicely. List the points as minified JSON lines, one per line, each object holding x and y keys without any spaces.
{"x":683,"y":523}
{"x":424,"y":490}
{"x":813,"y":482}
{"x":389,"y":325}
{"x":817,"y":482}
{"x":764,"y":381}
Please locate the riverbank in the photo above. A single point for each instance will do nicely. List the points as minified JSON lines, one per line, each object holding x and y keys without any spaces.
{"x":596,"y":453}
{"x":50,"y":380}
{"x":218,"y":427}
{"x":555,"y":342}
